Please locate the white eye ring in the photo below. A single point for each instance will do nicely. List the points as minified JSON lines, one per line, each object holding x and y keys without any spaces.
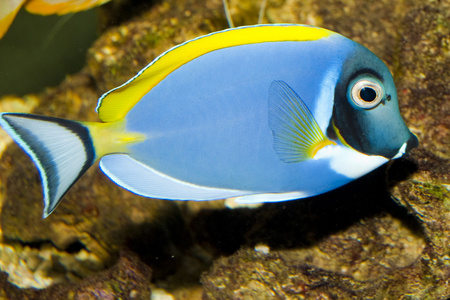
{"x":367,"y":93}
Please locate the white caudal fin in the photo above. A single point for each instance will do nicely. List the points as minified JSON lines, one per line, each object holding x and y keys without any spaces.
{"x":61,"y":149}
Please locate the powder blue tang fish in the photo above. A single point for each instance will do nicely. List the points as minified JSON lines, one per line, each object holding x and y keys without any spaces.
{"x":262,"y":113}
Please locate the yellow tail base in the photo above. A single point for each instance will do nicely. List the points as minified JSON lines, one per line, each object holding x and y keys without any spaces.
{"x":111,"y":137}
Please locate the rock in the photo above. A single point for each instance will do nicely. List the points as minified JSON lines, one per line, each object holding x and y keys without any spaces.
{"x":129,"y":279}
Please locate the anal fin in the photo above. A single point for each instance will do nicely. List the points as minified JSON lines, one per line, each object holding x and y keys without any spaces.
{"x":271,"y":197}
{"x":148,"y":182}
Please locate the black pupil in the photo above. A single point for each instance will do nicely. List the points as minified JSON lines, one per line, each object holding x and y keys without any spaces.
{"x":368,"y":94}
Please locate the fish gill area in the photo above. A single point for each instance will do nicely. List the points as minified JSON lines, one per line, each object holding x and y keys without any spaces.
{"x":384,"y":236}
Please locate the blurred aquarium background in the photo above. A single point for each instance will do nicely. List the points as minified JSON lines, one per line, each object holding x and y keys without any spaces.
{"x":39,"y":51}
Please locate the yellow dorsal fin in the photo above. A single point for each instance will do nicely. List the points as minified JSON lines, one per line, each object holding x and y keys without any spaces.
{"x":115,"y":104}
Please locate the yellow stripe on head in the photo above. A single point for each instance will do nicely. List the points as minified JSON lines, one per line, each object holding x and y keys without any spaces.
{"x":115,"y":104}
{"x":339,"y":136}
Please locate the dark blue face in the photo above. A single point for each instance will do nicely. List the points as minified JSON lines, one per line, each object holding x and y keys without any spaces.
{"x":366,"y":110}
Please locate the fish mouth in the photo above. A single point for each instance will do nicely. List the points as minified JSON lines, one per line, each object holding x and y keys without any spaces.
{"x":410,"y":144}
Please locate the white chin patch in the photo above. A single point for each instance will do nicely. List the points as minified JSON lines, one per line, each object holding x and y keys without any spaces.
{"x":353,"y":164}
{"x":400,"y":152}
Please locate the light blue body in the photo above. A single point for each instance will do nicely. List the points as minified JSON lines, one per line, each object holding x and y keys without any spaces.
{"x":207,"y":122}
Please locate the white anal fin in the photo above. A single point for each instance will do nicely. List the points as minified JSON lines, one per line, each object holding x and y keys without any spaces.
{"x":61,"y":149}
{"x":145,"y":181}
{"x":257,"y":200}
{"x":271,"y":197}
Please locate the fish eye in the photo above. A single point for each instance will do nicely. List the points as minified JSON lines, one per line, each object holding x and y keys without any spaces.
{"x":367,"y":92}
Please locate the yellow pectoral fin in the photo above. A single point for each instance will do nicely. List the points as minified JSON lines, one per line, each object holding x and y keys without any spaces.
{"x":112,"y":137}
{"x":296,"y":135}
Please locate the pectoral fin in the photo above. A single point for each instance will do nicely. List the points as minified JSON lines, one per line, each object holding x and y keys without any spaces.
{"x":296,"y":135}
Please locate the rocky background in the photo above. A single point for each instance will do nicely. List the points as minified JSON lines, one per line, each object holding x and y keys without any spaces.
{"x":385,"y":236}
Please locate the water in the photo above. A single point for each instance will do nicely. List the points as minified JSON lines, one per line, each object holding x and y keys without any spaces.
{"x":39,"y":51}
